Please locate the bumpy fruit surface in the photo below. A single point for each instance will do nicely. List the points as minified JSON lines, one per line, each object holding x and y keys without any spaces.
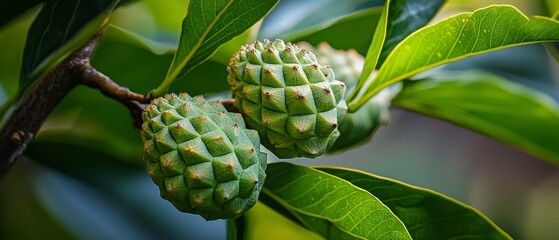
{"x":283,"y":92}
{"x":360,"y":126}
{"x":202,"y":157}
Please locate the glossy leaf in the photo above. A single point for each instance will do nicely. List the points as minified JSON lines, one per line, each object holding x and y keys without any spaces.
{"x":403,"y":17}
{"x":373,"y":54}
{"x":11,"y":9}
{"x":330,"y":206}
{"x":360,"y":25}
{"x":457,"y":37}
{"x":116,"y":33}
{"x":511,"y":113}
{"x":427,"y":215}
{"x":308,"y":17}
{"x":207,"y":26}
{"x":60,"y":27}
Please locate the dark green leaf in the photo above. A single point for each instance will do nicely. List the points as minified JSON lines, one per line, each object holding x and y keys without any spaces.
{"x":310,"y":17}
{"x":359,"y":25}
{"x":427,"y":215}
{"x":457,"y":37}
{"x":404,"y":17}
{"x":208,"y":25}
{"x":330,"y":206}
{"x":500,"y":109}
{"x":11,"y":9}
{"x":60,"y":27}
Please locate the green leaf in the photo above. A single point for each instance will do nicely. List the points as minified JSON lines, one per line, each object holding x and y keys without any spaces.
{"x":310,"y":17}
{"x":426,"y":214}
{"x":457,"y":37}
{"x":403,"y":17}
{"x":207,"y":26}
{"x":357,"y":24}
{"x":116,"y":33}
{"x":60,"y":27}
{"x":330,"y":206}
{"x":511,"y":113}
{"x":11,"y":9}
{"x":373,"y":54}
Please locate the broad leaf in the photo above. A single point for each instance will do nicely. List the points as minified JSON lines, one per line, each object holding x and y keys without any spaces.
{"x":60,"y":27}
{"x":208,"y":25}
{"x":330,"y":206}
{"x":360,"y":25}
{"x":403,"y":17}
{"x":427,"y":215}
{"x":508,"y":112}
{"x":116,"y":33}
{"x":457,"y":37}
{"x":308,"y":17}
{"x":11,"y":9}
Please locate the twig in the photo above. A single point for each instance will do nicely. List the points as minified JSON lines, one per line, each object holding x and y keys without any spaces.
{"x":39,"y":101}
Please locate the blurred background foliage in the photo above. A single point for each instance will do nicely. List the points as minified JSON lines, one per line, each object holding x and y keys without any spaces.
{"x":83,"y":176}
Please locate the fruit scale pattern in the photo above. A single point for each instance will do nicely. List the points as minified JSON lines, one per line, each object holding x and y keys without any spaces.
{"x":293,"y":102}
{"x":202,"y":158}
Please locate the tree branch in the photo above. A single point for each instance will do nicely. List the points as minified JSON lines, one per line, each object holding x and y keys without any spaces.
{"x":39,"y":101}
{"x":36,"y":104}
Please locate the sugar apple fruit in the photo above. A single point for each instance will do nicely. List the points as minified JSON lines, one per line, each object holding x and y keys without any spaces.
{"x":293,"y":102}
{"x":358,"y":127}
{"x":202,"y":157}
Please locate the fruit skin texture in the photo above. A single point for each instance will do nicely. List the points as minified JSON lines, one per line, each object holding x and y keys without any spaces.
{"x":293,"y":102}
{"x":202,"y":158}
{"x":359,"y":127}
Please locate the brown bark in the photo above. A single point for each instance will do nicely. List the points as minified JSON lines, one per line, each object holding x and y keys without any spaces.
{"x":39,"y":101}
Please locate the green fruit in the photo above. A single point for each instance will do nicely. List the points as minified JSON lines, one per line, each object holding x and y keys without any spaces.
{"x":288,"y":97}
{"x":358,"y":127}
{"x":202,"y":157}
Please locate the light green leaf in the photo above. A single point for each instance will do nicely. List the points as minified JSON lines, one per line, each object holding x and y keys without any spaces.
{"x":511,"y":113}
{"x":208,"y":25}
{"x":330,"y":206}
{"x":457,"y":37}
{"x":427,"y":215}
{"x":373,"y":54}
